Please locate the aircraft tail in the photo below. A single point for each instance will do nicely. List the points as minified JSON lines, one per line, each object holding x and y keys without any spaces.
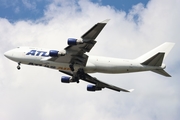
{"x":155,"y":57}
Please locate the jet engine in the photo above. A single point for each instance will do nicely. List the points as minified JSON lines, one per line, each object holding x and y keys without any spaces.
{"x":65,"y":79}
{"x":55,"y":53}
{"x":73,"y":41}
{"x":93,"y":88}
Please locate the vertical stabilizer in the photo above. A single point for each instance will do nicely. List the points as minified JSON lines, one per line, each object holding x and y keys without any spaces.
{"x":164,"y":48}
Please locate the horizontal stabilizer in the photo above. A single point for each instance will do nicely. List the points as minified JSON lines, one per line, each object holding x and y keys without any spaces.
{"x":156,"y":60}
{"x":162,"y":72}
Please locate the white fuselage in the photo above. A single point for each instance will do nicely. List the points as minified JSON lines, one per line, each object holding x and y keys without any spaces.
{"x":39,"y":57}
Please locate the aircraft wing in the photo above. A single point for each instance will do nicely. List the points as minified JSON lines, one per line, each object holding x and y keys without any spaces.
{"x":98,"y":83}
{"x":92,"y":33}
{"x":75,"y":53}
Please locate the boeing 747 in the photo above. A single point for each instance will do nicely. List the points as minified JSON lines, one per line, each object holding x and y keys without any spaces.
{"x":74,"y":61}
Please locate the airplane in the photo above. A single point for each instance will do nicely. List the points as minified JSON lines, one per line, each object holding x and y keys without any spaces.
{"x":74,"y":61}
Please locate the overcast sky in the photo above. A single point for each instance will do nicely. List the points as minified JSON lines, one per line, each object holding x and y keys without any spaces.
{"x":134,"y":29}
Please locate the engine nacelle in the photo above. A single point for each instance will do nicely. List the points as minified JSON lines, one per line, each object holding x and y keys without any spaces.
{"x":55,"y":53}
{"x":73,"y":41}
{"x":65,"y":79}
{"x":93,"y":88}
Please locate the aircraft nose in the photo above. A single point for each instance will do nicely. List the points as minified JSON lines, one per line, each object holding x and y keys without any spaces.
{"x":8,"y":54}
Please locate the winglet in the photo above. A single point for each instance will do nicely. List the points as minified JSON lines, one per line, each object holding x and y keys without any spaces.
{"x":131,"y":90}
{"x":105,"y":21}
